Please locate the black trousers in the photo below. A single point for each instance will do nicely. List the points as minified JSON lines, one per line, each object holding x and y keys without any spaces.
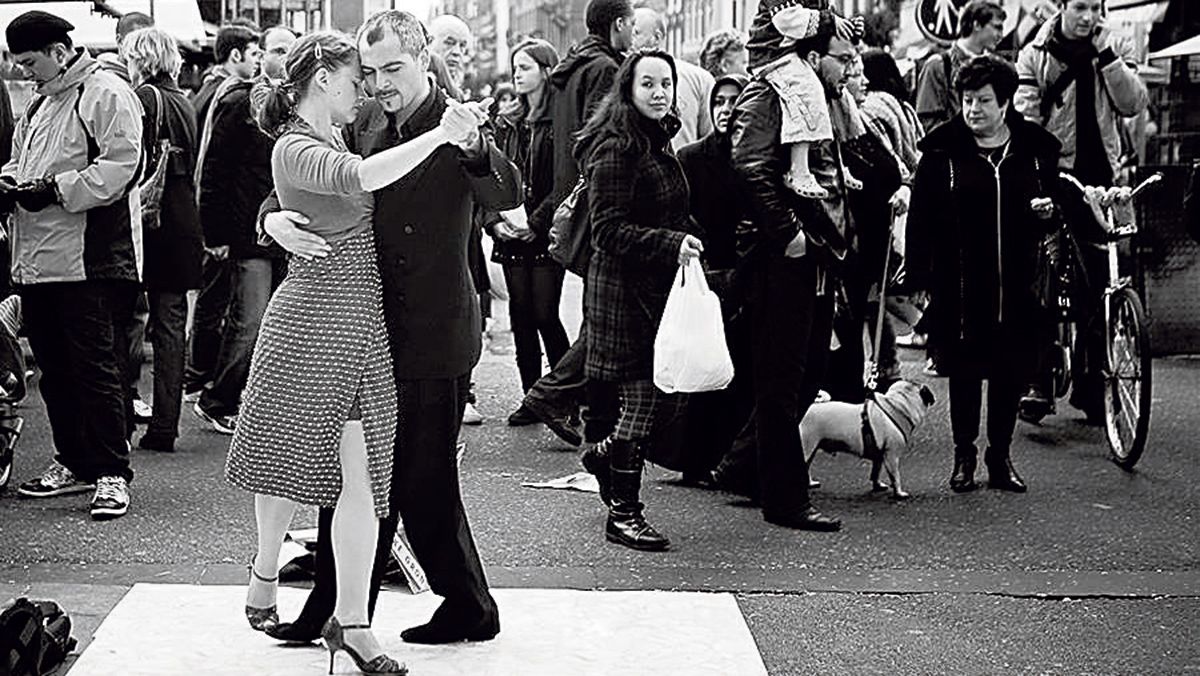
{"x":1003,"y":400}
{"x":425,"y":495}
{"x":167,"y":329}
{"x":207,"y":322}
{"x":76,"y":331}
{"x":534,"y":292}
{"x":566,"y":387}
{"x":792,"y":325}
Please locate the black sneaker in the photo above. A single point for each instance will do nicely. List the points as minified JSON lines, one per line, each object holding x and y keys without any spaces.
{"x":522,"y":417}
{"x":560,"y":425}
{"x":221,"y":423}
{"x":111,"y":499}
{"x":56,"y":480}
{"x":157,"y":442}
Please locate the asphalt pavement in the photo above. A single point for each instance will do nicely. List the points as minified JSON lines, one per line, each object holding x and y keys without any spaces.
{"x":1094,"y":571}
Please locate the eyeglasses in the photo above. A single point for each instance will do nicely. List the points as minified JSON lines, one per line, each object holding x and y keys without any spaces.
{"x":845,"y":59}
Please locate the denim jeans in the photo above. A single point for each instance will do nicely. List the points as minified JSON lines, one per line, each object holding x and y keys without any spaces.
{"x":168,"y":323}
{"x":252,"y":280}
{"x":211,"y":306}
{"x":76,"y":331}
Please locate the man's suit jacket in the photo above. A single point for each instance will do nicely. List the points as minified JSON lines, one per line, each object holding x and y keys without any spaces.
{"x":422,"y":229}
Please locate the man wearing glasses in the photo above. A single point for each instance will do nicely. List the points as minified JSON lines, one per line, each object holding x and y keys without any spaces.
{"x":791,"y":249}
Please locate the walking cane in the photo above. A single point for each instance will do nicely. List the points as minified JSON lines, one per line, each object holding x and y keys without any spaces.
{"x":873,"y":371}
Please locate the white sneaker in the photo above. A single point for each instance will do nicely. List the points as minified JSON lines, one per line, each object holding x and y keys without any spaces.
{"x":56,"y":480}
{"x":471,"y":415}
{"x":142,"y":412}
{"x":111,"y":499}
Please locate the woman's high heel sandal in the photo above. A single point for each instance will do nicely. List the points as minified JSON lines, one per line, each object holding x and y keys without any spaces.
{"x":335,"y":639}
{"x":261,"y":618}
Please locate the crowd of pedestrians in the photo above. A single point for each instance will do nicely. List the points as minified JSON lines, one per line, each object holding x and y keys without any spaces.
{"x":335,"y":243}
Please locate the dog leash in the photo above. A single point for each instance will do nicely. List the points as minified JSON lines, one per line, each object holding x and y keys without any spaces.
{"x":873,"y":372}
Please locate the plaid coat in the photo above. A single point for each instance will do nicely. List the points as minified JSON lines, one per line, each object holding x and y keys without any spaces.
{"x":639,"y":216}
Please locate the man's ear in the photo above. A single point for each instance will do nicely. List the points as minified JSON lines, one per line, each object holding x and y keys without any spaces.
{"x":236,"y":55}
{"x":813,"y":58}
{"x":423,"y":59}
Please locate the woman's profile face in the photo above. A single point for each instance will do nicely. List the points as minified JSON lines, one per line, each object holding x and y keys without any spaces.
{"x":856,"y":81}
{"x":528,"y":76}
{"x":345,"y":92}
{"x":653,"y":88}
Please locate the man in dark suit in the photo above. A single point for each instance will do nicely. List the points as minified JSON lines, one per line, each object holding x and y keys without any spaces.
{"x":422,"y":226}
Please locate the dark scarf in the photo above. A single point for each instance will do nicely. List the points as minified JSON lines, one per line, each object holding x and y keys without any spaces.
{"x":1091,"y":159}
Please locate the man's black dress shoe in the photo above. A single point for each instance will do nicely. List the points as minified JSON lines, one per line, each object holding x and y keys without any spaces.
{"x":522,"y":417}
{"x":300,"y":631}
{"x":808,"y":519}
{"x":559,"y":424}
{"x":443,"y":631}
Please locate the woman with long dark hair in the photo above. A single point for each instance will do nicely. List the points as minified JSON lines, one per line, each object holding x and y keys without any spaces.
{"x":638,"y":203}
{"x":319,"y":413}
{"x":534,"y":279}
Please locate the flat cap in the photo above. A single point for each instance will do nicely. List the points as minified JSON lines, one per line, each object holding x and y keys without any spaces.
{"x":36,"y":30}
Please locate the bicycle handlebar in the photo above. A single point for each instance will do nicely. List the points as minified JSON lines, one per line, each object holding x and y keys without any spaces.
{"x":1140,"y":187}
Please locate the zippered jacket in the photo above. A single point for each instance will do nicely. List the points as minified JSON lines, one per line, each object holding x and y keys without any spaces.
{"x":84,"y":127}
{"x":973,"y":241}
{"x":1120,"y":93}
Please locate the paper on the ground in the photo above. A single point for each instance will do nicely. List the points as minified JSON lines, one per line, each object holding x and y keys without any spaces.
{"x":579,"y":481}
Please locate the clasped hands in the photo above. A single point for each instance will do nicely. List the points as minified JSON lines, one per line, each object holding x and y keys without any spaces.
{"x":461,"y":121}
{"x":513,"y":225}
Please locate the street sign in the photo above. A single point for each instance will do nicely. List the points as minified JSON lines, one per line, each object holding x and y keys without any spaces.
{"x":938,"y":19}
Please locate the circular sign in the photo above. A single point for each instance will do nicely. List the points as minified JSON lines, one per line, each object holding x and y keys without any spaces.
{"x":938,"y":19}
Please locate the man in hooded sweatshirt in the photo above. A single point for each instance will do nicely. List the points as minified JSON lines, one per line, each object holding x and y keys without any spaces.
{"x":579,"y":83}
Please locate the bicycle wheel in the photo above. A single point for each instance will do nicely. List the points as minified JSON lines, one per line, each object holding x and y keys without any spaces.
{"x":1127,"y":379}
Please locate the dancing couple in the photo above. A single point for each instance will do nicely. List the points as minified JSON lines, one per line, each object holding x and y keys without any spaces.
{"x":360,"y":374}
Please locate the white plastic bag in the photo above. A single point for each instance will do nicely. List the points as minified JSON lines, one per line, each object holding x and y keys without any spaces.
{"x":690,"y":354}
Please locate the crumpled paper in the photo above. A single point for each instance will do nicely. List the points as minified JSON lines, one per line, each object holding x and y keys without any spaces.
{"x":579,"y":481}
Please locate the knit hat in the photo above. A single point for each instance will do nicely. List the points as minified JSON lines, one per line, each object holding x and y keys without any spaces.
{"x":36,"y":30}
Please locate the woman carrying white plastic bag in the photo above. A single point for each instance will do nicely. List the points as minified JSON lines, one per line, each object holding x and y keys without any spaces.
{"x":690,"y":354}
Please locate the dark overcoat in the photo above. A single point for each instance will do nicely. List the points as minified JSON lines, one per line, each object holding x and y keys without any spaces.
{"x":638,"y":203}
{"x":173,"y":252}
{"x":422,"y":229}
{"x":973,"y":243}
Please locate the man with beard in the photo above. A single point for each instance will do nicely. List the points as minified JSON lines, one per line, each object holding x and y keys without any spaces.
{"x":791,"y":251}
{"x":422,"y":226}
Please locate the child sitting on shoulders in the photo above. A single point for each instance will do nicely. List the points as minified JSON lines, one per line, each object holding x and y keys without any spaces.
{"x":778,"y":26}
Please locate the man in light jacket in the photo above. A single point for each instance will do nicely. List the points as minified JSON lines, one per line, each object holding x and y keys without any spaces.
{"x":1078,"y":80}
{"x":76,"y":253}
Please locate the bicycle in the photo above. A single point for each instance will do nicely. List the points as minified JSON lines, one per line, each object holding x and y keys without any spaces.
{"x":1127,"y":371}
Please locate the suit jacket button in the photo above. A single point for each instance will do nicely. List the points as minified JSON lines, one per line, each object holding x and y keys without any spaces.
{"x":408,"y":230}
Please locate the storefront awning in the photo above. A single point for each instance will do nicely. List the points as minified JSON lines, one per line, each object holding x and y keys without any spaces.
{"x":1186,"y":48}
{"x":97,"y":30}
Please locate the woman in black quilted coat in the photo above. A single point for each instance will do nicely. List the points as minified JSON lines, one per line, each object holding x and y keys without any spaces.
{"x":534,"y":280}
{"x":638,"y":205}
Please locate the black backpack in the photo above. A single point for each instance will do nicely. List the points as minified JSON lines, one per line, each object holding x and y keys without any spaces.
{"x":35,"y":638}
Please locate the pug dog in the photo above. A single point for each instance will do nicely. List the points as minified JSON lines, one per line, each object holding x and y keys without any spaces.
{"x":838,"y":427}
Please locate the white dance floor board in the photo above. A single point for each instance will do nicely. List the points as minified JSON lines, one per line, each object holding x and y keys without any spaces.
{"x":164,"y":630}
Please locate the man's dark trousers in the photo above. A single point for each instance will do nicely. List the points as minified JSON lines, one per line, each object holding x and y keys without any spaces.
{"x":792,"y":327}
{"x":207,"y":320}
{"x":566,"y":386}
{"x":76,"y":332}
{"x":425,"y":493}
